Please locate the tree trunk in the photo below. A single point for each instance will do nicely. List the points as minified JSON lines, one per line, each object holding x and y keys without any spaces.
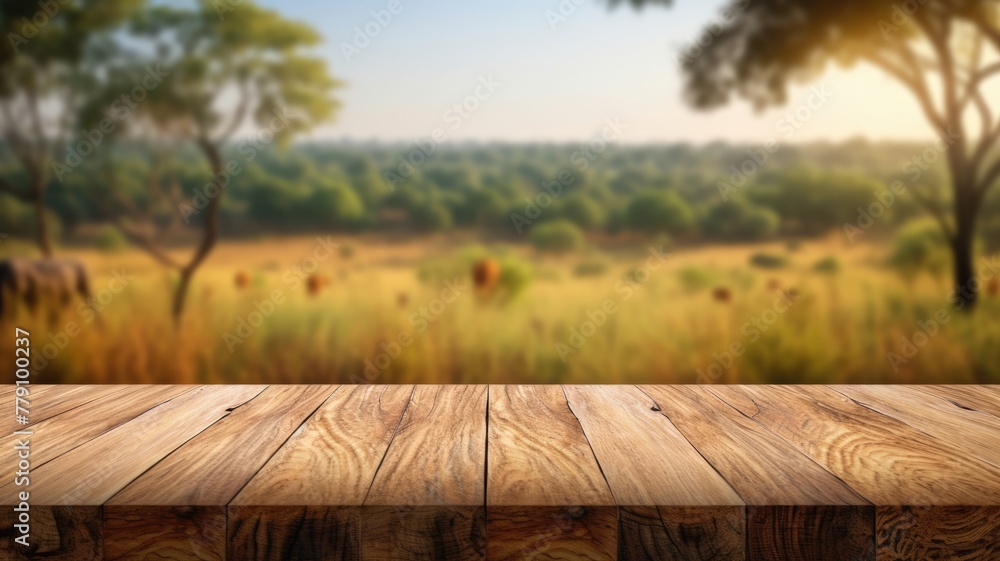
{"x":42,"y":226}
{"x":966,"y":285}
{"x":210,"y":229}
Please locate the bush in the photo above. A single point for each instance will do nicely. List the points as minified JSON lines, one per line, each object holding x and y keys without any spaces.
{"x":828,"y":265}
{"x":590,"y":269}
{"x":659,"y":212}
{"x":768,"y":261}
{"x":432,"y":217}
{"x":110,"y":239}
{"x":582,"y":211}
{"x":558,"y":236}
{"x":920,"y":247}
{"x":738,"y":220}
{"x":694,"y":279}
{"x":336,"y":206}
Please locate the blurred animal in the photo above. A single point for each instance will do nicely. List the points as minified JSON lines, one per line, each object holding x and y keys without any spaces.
{"x":993,"y":288}
{"x":773,"y":284}
{"x":242,"y":279}
{"x":44,"y":281}
{"x":721,"y":294}
{"x":485,"y":275}
{"x":315,"y":283}
{"x":792,"y":294}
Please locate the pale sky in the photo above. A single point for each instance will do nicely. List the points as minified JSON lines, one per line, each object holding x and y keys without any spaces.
{"x":561,"y":84}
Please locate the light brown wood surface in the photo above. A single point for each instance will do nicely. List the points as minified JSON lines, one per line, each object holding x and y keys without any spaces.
{"x":374,"y":472}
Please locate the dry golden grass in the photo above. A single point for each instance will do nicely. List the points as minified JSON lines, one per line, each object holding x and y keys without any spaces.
{"x":839,"y":328}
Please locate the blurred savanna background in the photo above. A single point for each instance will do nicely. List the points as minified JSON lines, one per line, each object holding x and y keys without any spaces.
{"x":526,"y":192}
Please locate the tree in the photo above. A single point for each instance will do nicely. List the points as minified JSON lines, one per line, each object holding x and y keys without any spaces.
{"x":223,"y":72}
{"x":44,"y":46}
{"x":659,"y":212}
{"x":944,"y":52}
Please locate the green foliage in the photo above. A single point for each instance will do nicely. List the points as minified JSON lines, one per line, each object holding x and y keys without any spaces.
{"x":827,"y":265}
{"x":558,"y":236}
{"x":582,"y":211}
{"x":694,"y":278}
{"x":920,"y":247}
{"x":333,"y":206}
{"x":591,"y":268}
{"x":110,"y":239}
{"x":738,"y":220}
{"x":659,"y":212}
{"x":768,"y":260}
{"x":432,"y":217}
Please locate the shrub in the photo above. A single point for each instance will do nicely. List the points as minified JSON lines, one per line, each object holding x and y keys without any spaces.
{"x":590,"y":269}
{"x":110,"y":239}
{"x":920,"y":247}
{"x":828,"y":265}
{"x":738,"y":220}
{"x":768,"y":261}
{"x":558,"y":236}
{"x":432,"y":217}
{"x":693,"y":279}
{"x":659,"y":212}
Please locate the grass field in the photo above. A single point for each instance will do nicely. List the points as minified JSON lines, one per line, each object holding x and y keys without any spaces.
{"x":405,"y":311}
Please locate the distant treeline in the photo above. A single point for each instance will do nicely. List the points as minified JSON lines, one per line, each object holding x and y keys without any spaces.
{"x":713,"y":192}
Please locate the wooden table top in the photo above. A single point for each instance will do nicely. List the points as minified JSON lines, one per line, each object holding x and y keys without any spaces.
{"x":511,"y":472}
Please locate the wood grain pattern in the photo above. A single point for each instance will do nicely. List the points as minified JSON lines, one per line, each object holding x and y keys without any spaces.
{"x":46,"y":401}
{"x":211,"y":468}
{"x":92,"y":473}
{"x":978,"y":398}
{"x":682,"y":533}
{"x":426,"y":500}
{"x":980,"y":432}
{"x":763,"y":468}
{"x":62,"y":433}
{"x":960,"y":533}
{"x":886,"y":461}
{"x":545,"y":486}
{"x":811,"y":533}
{"x":649,"y":463}
{"x":332,"y":459}
{"x":294,"y":533}
{"x":175,"y":533}
{"x":60,"y":533}
{"x":308,"y":497}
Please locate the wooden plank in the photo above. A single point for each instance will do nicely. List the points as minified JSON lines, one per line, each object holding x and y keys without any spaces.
{"x":770,"y":474}
{"x":137,"y":533}
{"x":200,"y":478}
{"x":657,"y":476}
{"x":211,"y":468}
{"x":94,"y":472}
{"x":964,"y":533}
{"x":306,"y":502}
{"x":975,"y":432}
{"x":59,"y":533}
{"x":820,"y":533}
{"x":426,"y":500}
{"x":47,"y":401}
{"x":62,"y":433}
{"x":979,"y":398}
{"x":885,"y":460}
{"x":546,"y":497}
